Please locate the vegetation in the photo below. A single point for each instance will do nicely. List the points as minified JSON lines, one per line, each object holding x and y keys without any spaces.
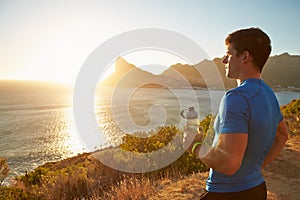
{"x":148,"y":142}
{"x":291,"y":113}
{"x":4,"y":170}
{"x":84,"y":177}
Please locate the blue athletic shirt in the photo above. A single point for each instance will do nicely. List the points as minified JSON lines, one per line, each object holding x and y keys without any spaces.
{"x":253,"y":109}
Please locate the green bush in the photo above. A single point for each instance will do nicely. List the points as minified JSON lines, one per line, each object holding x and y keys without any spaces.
{"x":149,"y":142}
{"x":291,"y":113}
{"x":144,"y":143}
{"x":13,"y":193}
{"x":291,"y":109}
{"x":34,"y":177}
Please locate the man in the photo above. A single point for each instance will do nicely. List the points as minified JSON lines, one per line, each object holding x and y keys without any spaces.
{"x":249,"y":129}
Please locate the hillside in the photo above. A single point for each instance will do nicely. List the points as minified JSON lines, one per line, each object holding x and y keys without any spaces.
{"x":280,"y":72}
{"x":123,"y":75}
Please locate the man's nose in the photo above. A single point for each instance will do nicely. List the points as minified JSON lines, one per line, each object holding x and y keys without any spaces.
{"x":225,"y":60}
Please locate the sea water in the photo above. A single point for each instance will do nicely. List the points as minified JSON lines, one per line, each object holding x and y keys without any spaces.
{"x":37,"y":123}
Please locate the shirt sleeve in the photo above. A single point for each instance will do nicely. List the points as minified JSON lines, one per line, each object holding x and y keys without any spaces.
{"x":235,"y":114}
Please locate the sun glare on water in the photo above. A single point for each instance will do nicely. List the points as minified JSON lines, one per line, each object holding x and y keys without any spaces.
{"x":72,"y":142}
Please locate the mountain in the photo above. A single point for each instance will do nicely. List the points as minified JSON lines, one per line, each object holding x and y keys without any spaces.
{"x":280,"y":71}
{"x":127,"y":75}
{"x":203,"y":74}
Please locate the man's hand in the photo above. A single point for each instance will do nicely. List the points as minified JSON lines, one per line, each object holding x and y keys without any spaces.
{"x":190,"y":138}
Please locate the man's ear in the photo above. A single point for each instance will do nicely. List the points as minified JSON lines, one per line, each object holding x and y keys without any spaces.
{"x":246,"y":57}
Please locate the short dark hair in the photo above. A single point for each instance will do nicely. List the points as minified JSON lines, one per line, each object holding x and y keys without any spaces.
{"x":253,"y":40}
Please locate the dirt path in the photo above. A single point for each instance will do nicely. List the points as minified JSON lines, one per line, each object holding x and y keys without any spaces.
{"x":180,"y":189}
{"x":282,"y":177}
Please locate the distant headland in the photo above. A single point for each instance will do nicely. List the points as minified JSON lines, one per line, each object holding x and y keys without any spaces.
{"x":281,"y":72}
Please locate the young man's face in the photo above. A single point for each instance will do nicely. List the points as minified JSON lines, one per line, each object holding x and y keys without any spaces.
{"x":232,"y":62}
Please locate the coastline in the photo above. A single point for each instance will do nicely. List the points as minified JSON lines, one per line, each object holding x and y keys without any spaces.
{"x":85,"y":165}
{"x":281,"y":186}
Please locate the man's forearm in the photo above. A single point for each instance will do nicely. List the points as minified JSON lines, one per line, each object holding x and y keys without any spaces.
{"x":226,"y":157}
{"x":279,"y":142}
{"x":274,"y":152}
{"x":217,"y":160}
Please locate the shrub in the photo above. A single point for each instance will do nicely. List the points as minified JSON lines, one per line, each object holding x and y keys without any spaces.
{"x":291,"y":108}
{"x":291,"y":113}
{"x":13,"y":193}
{"x":4,"y":170}
{"x":33,"y":178}
{"x":144,"y":143}
{"x":186,"y":163}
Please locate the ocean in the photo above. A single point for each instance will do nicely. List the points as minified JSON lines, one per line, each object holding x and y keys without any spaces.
{"x":37,"y":123}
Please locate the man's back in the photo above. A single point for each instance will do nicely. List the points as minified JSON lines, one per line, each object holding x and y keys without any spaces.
{"x":251,"y":108}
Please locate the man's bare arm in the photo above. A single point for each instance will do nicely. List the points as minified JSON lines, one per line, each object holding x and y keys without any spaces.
{"x":227,"y":156}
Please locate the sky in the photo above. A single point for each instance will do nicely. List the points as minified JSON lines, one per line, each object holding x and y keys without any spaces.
{"x":50,"y":40}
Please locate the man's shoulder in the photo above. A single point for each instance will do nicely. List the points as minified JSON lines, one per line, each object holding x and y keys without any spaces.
{"x":246,"y":91}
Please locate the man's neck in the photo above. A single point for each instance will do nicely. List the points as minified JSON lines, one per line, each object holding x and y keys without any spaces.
{"x":242,"y":79}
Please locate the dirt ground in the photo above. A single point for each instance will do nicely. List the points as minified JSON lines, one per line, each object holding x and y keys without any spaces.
{"x":282,"y":177}
{"x":283,"y":174}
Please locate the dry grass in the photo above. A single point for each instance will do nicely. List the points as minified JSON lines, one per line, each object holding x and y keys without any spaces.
{"x":95,"y":181}
{"x":85,"y":177}
{"x":132,"y":189}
